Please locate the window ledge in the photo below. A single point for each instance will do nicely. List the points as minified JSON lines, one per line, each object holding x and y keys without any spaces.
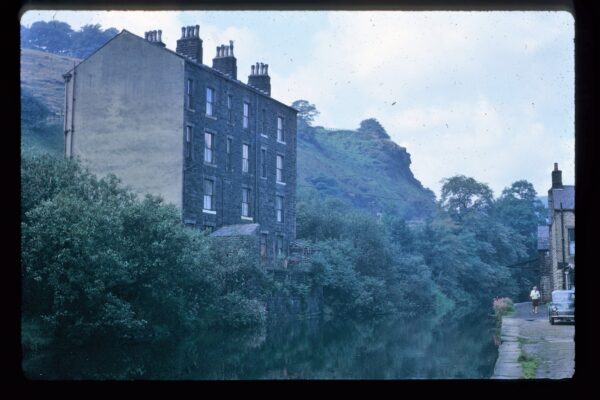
{"x":207,"y":164}
{"x":279,"y":141}
{"x":214,"y":212}
{"x":211,"y":116}
{"x":264,"y":178}
{"x":263,"y":135}
{"x":191,"y":109}
{"x":281,"y":183}
{"x":247,"y":218}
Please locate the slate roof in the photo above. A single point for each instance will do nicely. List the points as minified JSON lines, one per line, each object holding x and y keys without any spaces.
{"x":543,"y":237}
{"x":566,"y":195}
{"x":237,"y":230}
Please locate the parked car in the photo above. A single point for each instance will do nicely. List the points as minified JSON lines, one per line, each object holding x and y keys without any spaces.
{"x":562,"y":306}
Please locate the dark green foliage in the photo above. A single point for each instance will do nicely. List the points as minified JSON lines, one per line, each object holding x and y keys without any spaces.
{"x":520,"y":209}
{"x":58,"y":37}
{"x":100,"y":266}
{"x":461,"y":195}
{"x":40,"y":130}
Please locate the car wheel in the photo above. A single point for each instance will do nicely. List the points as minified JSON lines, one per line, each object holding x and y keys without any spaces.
{"x":551,"y":321}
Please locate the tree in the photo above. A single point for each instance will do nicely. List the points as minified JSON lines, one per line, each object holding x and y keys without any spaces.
{"x":307,"y":112}
{"x":461,"y":194}
{"x":89,"y":39}
{"x":53,"y":36}
{"x":519,"y":208}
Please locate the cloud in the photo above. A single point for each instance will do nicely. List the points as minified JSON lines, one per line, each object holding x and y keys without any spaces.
{"x":489,"y":95}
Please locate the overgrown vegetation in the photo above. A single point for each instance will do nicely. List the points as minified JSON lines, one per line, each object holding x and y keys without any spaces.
{"x":103,"y":268}
{"x":529,"y":365}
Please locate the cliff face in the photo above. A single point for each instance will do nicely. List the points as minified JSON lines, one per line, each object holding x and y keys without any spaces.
{"x":363,"y":168}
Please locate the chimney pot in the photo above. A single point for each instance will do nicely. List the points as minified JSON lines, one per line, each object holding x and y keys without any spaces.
{"x":190,"y":44}
{"x":556,"y":166}
{"x":160,"y":35}
{"x":252,"y":69}
{"x":266,"y":69}
{"x":231,"y":47}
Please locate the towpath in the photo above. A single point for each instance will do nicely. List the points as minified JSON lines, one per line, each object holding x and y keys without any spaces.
{"x":524,"y":332}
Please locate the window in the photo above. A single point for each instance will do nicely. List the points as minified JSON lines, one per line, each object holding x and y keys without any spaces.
{"x":246,"y":115}
{"x":263,"y":163}
{"x":189,"y":91}
{"x":210,"y":101}
{"x":208,"y":147}
{"x":279,"y":168}
{"x":209,"y":189}
{"x":229,"y":146}
{"x":188,"y":141}
{"x":245,"y":154}
{"x":245,"y":202}
{"x":280,"y":136}
{"x":279,"y":208}
{"x":279,"y":246}
{"x":229,"y":108}
{"x":571,"y":241}
{"x":263,"y":245}
{"x":264,"y":122}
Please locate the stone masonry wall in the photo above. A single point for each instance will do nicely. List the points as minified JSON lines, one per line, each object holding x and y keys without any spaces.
{"x":556,"y":248}
{"x":226,"y":171}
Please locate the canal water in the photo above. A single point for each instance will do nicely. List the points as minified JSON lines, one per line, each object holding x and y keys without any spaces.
{"x":391,"y":348}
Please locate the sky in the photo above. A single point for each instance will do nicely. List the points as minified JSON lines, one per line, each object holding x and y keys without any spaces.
{"x":489,"y":95}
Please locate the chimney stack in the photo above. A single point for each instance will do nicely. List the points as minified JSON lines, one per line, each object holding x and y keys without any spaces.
{"x":190,"y":44}
{"x":556,"y":177}
{"x":259,"y":78}
{"x":224,"y":61}
{"x":154,"y":37}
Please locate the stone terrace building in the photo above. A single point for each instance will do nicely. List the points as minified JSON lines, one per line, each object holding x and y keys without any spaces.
{"x":222,"y":150}
{"x":560,"y":269}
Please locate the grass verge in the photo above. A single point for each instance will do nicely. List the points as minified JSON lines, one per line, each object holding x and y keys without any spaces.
{"x":529,"y":365}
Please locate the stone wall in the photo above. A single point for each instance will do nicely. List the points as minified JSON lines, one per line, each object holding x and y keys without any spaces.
{"x":556,"y":247}
{"x":546,"y":284}
{"x":226,"y":170}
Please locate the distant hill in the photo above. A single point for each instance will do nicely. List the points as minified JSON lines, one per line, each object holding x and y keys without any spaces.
{"x":42,"y":97}
{"x":41,"y":76}
{"x":362,"y":167}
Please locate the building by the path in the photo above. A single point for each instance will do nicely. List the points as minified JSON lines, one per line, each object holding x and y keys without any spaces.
{"x":222,"y":150}
{"x":556,"y":241}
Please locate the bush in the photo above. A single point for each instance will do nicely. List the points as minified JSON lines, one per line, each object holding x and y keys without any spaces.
{"x":502,"y":306}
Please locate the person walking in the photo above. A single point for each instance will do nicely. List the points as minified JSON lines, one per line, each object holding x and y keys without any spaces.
{"x":535,"y":299}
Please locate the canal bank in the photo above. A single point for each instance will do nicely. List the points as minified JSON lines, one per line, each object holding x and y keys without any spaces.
{"x":531,"y":347}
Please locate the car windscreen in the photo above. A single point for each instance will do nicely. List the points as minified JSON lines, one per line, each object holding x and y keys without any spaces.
{"x":563,"y":296}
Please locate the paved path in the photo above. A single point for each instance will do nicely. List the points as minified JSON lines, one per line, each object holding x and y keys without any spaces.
{"x":553,"y":345}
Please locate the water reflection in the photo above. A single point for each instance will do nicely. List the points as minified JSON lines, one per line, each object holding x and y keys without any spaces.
{"x":391,"y":348}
